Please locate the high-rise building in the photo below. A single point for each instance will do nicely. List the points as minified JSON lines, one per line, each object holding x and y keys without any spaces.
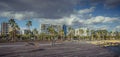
{"x":65,"y":29}
{"x":4,"y":28}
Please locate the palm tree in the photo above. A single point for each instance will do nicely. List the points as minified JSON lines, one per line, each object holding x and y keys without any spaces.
{"x":88,"y":32}
{"x":99,"y":34}
{"x":35,"y":32}
{"x":28,"y":24}
{"x":12,"y":22}
{"x":81,"y":31}
{"x":43,"y":28}
{"x":14,"y":27}
{"x":92,"y":34}
{"x":111,"y":35}
{"x":51,"y":31}
{"x":61,"y":33}
{"x":70,"y":32}
{"x":42,"y":35}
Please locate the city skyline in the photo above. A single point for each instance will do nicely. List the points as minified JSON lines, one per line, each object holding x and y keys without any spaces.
{"x":103,"y":14}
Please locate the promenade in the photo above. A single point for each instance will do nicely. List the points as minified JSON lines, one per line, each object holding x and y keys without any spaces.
{"x":64,"y":49}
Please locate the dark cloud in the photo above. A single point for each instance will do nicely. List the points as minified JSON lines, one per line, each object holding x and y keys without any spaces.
{"x":43,"y":8}
{"x":112,"y":3}
{"x":107,"y":3}
{"x":50,"y":9}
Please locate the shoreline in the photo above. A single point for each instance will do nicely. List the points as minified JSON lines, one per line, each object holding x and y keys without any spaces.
{"x":98,"y":42}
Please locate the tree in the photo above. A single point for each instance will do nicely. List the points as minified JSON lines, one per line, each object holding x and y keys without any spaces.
{"x":81,"y":31}
{"x":71,"y":31}
{"x":111,"y":34}
{"x":61,"y":33}
{"x":52,"y":31}
{"x":88,"y":32}
{"x":14,"y":27}
{"x":92,"y":34}
{"x":42,"y":36}
{"x":28,"y":24}
{"x":35,"y":32}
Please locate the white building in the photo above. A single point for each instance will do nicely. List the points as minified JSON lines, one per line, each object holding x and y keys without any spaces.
{"x":44,"y":28}
{"x":81,"y":32}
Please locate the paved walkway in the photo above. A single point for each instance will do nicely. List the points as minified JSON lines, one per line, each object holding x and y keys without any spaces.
{"x":66,"y":49}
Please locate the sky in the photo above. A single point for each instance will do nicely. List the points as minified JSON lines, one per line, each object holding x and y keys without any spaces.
{"x":93,"y":14}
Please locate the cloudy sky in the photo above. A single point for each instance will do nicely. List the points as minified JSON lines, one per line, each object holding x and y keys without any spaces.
{"x":94,"y":14}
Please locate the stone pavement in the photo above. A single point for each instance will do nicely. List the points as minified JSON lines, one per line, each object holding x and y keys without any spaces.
{"x":66,"y":49}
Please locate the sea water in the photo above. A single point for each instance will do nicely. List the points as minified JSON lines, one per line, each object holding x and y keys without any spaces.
{"x":115,"y":49}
